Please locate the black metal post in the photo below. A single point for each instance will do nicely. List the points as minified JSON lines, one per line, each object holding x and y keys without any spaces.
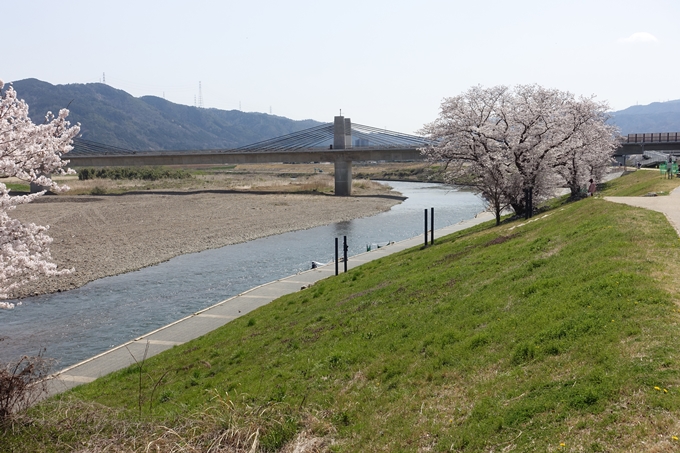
{"x":432,"y":228}
{"x":425,"y":227}
{"x":336,"y":256}
{"x":345,"y":251}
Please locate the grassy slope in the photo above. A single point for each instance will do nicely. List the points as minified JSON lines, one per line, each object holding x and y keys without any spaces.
{"x":639,"y":183}
{"x":554,"y":335}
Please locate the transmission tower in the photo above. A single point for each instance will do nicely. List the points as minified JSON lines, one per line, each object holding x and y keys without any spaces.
{"x":103,"y":77}
{"x":200,"y":96}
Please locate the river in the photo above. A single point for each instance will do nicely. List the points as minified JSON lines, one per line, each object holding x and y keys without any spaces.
{"x":75,"y":325}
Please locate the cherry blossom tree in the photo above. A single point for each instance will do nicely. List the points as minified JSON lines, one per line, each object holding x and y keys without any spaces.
{"x":32,"y":153}
{"x":473,"y":157}
{"x":589,"y":151}
{"x":505,"y":141}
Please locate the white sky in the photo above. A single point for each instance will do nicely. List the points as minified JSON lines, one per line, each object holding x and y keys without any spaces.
{"x":385,"y":63}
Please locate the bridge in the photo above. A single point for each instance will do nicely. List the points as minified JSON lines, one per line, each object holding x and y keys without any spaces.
{"x":668,"y":142}
{"x":340,"y":142}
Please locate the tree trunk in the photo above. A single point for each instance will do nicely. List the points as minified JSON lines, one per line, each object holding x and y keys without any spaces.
{"x":518,"y":208}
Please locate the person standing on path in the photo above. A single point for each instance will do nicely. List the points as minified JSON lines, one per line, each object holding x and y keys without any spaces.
{"x":592,"y":188}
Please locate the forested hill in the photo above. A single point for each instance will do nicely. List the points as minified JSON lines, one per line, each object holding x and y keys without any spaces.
{"x":655,"y":117}
{"x":114,"y":117}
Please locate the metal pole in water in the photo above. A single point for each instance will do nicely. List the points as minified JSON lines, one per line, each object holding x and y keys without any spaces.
{"x":432,"y":228}
{"x":336,"y":256}
{"x":345,"y":251}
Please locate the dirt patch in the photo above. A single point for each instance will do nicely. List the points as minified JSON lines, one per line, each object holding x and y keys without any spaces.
{"x":500,"y":240}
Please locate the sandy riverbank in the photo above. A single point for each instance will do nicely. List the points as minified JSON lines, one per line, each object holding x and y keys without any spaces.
{"x":107,"y":235}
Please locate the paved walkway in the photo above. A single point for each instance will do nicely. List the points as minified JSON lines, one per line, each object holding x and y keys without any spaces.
{"x":668,"y":205}
{"x":211,"y":318}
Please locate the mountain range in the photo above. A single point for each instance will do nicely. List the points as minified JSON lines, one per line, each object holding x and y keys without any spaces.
{"x":655,"y":117}
{"x":113,"y":117}
{"x":116,"y":118}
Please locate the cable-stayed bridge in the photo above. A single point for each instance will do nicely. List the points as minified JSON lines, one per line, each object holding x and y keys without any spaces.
{"x":340,"y":142}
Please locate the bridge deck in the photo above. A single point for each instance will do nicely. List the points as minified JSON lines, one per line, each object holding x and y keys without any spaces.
{"x":247,"y":157}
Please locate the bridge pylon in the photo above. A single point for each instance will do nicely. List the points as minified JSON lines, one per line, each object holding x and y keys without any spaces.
{"x":342,"y":139}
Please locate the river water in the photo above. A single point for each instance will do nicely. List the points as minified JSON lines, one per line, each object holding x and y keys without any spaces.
{"x":75,"y":325}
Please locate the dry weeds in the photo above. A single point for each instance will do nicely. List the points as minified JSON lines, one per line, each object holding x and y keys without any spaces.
{"x":22,"y":384}
{"x":227,"y":425}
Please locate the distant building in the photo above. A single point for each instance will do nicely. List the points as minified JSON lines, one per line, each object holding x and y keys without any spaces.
{"x":361,"y":142}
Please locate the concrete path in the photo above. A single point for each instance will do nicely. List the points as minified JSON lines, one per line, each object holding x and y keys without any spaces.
{"x":668,"y":205}
{"x":211,"y":318}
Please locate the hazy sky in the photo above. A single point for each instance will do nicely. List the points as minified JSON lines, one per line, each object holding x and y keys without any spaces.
{"x":384,"y":63}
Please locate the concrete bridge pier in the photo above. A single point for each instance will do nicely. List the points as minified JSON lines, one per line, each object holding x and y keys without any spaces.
{"x":35,"y":188}
{"x":343,"y":178}
{"x":342,"y":139}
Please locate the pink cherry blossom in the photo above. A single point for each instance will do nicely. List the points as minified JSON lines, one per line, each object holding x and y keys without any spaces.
{"x":32,"y":153}
{"x":503,"y":140}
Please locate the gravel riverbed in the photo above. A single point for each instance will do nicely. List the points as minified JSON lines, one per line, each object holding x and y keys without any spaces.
{"x":106,"y":235}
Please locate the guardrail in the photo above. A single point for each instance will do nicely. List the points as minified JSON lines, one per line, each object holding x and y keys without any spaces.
{"x":654,"y":137}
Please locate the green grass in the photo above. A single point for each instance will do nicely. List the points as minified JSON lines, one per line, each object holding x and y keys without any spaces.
{"x":640,"y":183}
{"x":212,"y":169}
{"x":525,"y":336}
{"x":145,"y":173}
{"x":18,"y":187}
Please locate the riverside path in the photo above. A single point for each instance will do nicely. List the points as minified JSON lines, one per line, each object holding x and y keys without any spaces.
{"x":668,"y":205}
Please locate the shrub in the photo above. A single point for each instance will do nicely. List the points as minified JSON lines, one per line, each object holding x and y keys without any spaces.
{"x":145,"y":173}
{"x":22,"y":383}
